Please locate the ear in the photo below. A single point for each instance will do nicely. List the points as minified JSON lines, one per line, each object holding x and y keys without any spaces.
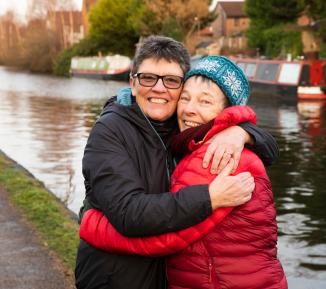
{"x":132,"y":83}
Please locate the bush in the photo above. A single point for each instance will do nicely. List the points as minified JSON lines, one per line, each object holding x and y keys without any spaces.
{"x":323,"y":50}
{"x":85,"y":47}
{"x":61,"y":65}
{"x":277,"y":41}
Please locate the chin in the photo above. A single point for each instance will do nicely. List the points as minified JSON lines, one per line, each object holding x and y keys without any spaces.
{"x":160,"y":116}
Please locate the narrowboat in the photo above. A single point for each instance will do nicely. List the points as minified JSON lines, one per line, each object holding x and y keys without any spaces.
{"x":115,"y":67}
{"x":304,"y":79}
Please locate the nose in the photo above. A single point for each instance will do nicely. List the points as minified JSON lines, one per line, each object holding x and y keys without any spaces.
{"x":190,"y":108}
{"x":159,"y":86}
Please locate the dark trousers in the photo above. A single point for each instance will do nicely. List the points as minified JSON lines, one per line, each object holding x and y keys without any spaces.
{"x":96,"y":269}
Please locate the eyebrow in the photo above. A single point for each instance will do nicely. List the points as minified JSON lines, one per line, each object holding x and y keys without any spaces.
{"x":208,"y":94}
{"x":203,"y":92}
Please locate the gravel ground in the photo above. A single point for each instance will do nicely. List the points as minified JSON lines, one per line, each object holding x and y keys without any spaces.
{"x":25,"y":262}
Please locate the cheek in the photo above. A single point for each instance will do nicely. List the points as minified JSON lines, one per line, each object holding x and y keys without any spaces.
{"x":174,"y":105}
{"x":180,"y":109}
{"x":175,"y":95}
{"x":210,"y":114}
{"x":219,"y":110}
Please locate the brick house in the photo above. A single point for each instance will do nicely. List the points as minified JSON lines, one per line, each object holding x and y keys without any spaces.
{"x":11,"y":36}
{"x":87,"y":5}
{"x":68,"y":26}
{"x":231,"y":24}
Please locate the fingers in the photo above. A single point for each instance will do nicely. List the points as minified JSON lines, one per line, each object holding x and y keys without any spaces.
{"x":208,"y":155}
{"x":227,"y":155}
{"x":230,"y":191}
{"x":219,"y":156}
{"x":236,"y":156}
{"x":247,"y":184}
{"x":227,"y":169}
{"x":243,"y":176}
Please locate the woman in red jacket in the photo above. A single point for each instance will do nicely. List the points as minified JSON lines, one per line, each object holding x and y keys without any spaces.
{"x":235,"y":247}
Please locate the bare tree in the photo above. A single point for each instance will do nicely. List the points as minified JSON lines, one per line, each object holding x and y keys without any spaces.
{"x":40,"y":8}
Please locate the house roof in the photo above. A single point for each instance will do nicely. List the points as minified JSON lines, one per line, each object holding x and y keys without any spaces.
{"x":204,"y":44}
{"x":233,"y":8}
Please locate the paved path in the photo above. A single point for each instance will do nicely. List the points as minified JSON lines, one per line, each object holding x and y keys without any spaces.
{"x":25,"y":263}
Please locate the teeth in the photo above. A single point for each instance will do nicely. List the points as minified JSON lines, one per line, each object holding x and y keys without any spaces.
{"x":158,"y":100}
{"x":192,"y":124}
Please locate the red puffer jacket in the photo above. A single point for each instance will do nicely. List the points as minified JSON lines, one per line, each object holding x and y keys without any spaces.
{"x":240,"y":252}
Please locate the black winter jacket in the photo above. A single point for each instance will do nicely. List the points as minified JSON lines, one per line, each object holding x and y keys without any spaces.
{"x":126,"y":167}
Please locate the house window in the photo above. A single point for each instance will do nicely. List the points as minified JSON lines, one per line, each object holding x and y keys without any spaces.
{"x":236,"y":21}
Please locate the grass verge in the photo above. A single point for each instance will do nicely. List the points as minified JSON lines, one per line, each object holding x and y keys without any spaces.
{"x":56,"y":225}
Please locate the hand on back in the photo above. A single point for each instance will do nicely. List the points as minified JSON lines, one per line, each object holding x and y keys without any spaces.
{"x":230,"y":191}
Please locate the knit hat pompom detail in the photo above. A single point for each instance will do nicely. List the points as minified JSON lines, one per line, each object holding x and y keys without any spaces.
{"x":227,"y":75}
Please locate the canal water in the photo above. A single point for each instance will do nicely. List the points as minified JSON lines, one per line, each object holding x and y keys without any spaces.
{"x":45,"y":121}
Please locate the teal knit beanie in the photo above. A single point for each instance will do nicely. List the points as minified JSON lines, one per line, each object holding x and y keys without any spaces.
{"x":227,"y":75}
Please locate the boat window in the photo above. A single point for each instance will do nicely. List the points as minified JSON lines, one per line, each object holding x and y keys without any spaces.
{"x":248,"y":68}
{"x":289,"y":73}
{"x":74,"y":63}
{"x":102,"y":64}
{"x":251,"y":69}
{"x":267,"y":71}
{"x":305,"y":75}
{"x":242,"y":65}
{"x":324,"y":70}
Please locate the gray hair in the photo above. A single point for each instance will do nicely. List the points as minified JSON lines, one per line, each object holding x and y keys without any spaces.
{"x":161,"y":47}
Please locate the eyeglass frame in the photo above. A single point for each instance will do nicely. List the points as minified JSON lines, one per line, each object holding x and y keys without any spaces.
{"x":136,"y":75}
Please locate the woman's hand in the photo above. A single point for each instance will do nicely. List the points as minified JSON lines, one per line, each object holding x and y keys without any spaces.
{"x":225,"y":145}
{"x":231,"y":191}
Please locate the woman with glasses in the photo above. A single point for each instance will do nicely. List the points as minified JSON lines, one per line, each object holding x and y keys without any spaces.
{"x":127,"y":165}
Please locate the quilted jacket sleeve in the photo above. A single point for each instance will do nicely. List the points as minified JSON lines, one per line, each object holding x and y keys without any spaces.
{"x":96,"y":230}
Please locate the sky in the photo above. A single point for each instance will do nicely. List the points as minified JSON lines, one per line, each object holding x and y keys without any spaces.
{"x":20,"y":6}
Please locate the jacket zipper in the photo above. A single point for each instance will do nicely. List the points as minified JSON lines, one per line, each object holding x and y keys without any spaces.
{"x":210,"y":267}
{"x":166,"y":159}
{"x":213,"y":280}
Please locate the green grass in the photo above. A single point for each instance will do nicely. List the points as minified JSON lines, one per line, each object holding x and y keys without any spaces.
{"x":56,"y":226}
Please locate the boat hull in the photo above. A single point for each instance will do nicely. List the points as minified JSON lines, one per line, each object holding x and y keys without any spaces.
{"x":114,"y":67}
{"x":314,"y":92}
{"x":273,"y":89}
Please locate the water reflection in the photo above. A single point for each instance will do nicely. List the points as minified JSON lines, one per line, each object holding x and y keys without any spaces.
{"x":45,"y":122}
{"x":45,"y":127}
{"x":300,"y":186}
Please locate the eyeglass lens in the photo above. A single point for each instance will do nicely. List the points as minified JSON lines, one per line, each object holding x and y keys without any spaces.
{"x":150,"y":79}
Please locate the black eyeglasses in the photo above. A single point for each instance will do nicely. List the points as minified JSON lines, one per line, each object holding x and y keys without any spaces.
{"x":150,"y":80}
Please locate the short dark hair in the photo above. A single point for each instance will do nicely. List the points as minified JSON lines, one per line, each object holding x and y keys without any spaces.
{"x":161,"y":47}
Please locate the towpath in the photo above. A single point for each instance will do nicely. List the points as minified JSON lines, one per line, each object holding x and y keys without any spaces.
{"x":26,"y":263}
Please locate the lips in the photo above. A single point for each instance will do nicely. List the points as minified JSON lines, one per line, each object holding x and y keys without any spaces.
{"x":157,"y":100}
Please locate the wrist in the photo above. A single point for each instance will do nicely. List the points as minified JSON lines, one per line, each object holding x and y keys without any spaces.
{"x":213,"y":197}
{"x":247,"y":137}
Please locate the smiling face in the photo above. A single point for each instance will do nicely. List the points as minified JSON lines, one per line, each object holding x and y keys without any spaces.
{"x":201,"y":101}
{"x":157,"y":102}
